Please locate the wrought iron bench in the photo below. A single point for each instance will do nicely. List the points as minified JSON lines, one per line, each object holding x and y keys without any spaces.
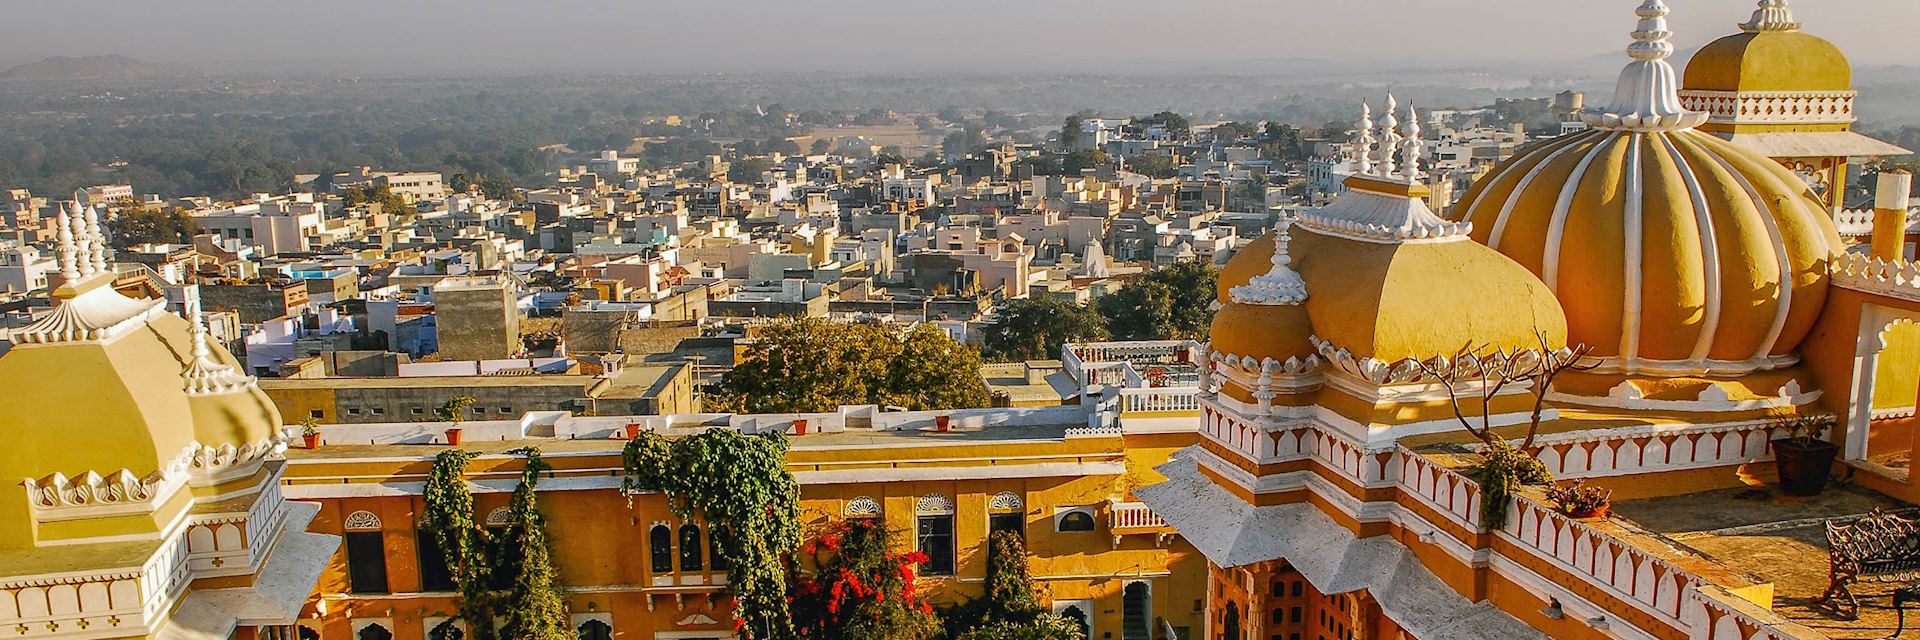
{"x":1880,"y":547}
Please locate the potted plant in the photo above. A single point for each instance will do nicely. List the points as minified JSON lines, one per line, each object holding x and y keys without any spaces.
{"x":1578,"y":501}
{"x":1803,"y":458}
{"x":800,"y":427}
{"x":310,"y":432}
{"x":453,"y":410}
{"x":633,"y":430}
{"x":943,"y":423}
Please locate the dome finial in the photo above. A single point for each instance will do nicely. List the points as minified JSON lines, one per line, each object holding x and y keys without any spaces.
{"x":97,"y":252}
{"x":205,"y":375}
{"x":1647,"y":97}
{"x":66,"y":252}
{"x":1279,"y":286}
{"x":1773,"y":15}
{"x":1411,"y":147}
{"x":1389,"y":137}
{"x":1365,"y":141}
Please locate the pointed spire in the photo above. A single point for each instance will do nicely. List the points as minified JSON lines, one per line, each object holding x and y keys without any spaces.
{"x":1773,"y":15}
{"x":1411,"y":146}
{"x":1279,"y":286}
{"x":1647,"y":97}
{"x":1389,"y":137}
{"x":97,"y":241}
{"x":67,"y":253}
{"x":1364,"y":144}
{"x":206,"y":375}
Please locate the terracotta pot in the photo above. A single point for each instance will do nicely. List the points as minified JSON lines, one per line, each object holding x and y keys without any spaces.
{"x":1804,"y":465}
{"x":1595,"y":513}
{"x":799,"y":427}
{"x":943,"y":423}
{"x":453,"y":437}
{"x":312,"y":439}
{"x":633,"y":430}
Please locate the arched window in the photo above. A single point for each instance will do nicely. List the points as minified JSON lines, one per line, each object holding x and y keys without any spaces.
{"x":1232,"y":625}
{"x":660,"y":548}
{"x":1076,"y":520}
{"x":374,"y":632}
{"x":448,"y":629}
{"x":595,"y":630}
{"x":690,"y":546}
{"x":362,"y":521}
{"x":499,"y":517}
{"x":1136,"y":612}
{"x":861,"y":507}
{"x":715,"y":557}
{"x":1079,"y":618}
{"x":307,"y":633}
{"x":934,"y":514}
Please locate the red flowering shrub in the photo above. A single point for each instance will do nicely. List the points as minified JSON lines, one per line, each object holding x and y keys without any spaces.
{"x":859,"y":587}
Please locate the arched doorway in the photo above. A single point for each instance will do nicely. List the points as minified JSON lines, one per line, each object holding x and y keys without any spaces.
{"x":595,"y":630}
{"x":1079,"y":618}
{"x":1231,"y":628}
{"x":374,"y":632}
{"x":1136,"y":606}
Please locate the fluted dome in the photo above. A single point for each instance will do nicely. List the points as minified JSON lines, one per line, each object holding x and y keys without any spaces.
{"x":1672,"y":251}
{"x":1251,"y":260}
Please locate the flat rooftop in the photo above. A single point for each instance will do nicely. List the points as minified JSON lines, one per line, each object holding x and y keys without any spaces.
{"x":1780,"y":539}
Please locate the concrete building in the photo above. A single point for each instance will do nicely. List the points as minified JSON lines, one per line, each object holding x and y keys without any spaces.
{"x":478,"y":317}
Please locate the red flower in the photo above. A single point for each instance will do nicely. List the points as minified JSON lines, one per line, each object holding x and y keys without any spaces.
{"x":831,"y":541}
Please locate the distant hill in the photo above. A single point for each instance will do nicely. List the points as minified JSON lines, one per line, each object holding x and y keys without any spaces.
{"x":110,"y":68}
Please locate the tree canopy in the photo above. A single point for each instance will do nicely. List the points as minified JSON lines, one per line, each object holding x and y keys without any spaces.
{"x":1169,"y":303}
{"x":811,"y":365}
{"x":1035,"y":328}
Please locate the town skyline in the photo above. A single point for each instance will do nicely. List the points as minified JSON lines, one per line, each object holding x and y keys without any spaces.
{"x":858,"y":36}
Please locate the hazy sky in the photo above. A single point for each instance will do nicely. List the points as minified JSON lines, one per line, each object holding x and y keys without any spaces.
{"x":673,"y":36}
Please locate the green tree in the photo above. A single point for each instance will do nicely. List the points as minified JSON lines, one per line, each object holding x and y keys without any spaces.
{"x":1035,"y":329}
{"x":1282,"y":143}
{"x":1176,"y":124}
{"x":820,"y":146}
{"x":499,"y":187}
{"x":1083,"y":159}
{"x":1170,"y":303}
{"x":1010,"y":609}
{"x":747,"y":169}
{"x":1153,"y":165}
{"x":811,"y":364}
{"x":1070,"y":135}
{"x":135,"y":225}
{"x":1235,"y":130}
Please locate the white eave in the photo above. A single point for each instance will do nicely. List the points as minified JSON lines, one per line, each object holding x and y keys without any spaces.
{"x":1815,"y":144}
{"x":1232,"y":533}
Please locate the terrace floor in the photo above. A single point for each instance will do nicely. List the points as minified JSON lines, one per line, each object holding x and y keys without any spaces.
{"x":1779,"y":539}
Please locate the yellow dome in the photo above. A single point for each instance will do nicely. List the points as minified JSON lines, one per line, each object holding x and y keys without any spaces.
{"x":118,"y":402}
{"x":1769,"y":61}
{"x":1672,"y":251}
{"x":1262,"y":331}
{"x":1251,"y":260}
{"x":1418,"y":300}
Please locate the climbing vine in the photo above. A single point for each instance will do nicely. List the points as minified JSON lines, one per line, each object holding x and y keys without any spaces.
{"x":535,"y":607}
{"x":463,"y":543}
{"x":530,"y":600}
{"x":1503,"y":470}
{"x":751,"y":503}
{"x":1010,"y":609}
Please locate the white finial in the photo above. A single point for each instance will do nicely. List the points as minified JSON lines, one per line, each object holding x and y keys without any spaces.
{"x":1365,"y":142}
{"x":1389,"y":137}
{"x":98,"y":239}
{"x":1280,"y":285}
{"x":206,"y":375}
{"x":1647,"y":98}
{"x":1773,"y":15}
{"x":1411,"y":146}
{"x":65,"y":251}
{"x":82,"y":244}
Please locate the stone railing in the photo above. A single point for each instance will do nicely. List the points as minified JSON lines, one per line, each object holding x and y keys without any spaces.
{"x":1772,"y":107}
{"x":1896,"y":279}
{"x":1593,"y":454}
{"x":1134,"y":515}
{"x":1120,"y":363}
{"x":1159,"y":400}
{"x":1619,"y":569}
{"x":1451,"y":493}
